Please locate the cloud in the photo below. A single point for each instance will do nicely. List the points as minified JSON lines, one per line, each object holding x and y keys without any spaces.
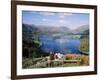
{"x":47,"y":13}
{"x":44,"y":19}
{"x":64,"y":14}
{"x":67,"y":14}
{"x":34,"y":12}
{"x":61,"y":21}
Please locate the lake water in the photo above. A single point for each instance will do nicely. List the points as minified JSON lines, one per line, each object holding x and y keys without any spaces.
{"x":62,"y":45}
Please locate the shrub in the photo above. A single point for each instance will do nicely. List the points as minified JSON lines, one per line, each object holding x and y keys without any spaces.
{"x":26,"y":63}
{"x":85,"y":60}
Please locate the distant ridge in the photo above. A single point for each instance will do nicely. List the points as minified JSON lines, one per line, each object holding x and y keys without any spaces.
{"x":84,"y":29}
{"x":44,"y":29}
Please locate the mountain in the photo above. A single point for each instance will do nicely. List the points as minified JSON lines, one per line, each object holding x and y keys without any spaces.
{"x":29,"y":28}
{"x":29,"y":32}
{"x":47,"y":30}
{"x":84,"y":29}
{"x":53,"y":30}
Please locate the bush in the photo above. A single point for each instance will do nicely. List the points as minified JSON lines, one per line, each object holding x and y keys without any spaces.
{"x":26,"y":63}
{"x":85,"y":60}
{"x":84,"y":45}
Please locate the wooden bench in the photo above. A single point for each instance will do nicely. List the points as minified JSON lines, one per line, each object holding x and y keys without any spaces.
{"x":71,"y":61}
{"x":67,"y":61}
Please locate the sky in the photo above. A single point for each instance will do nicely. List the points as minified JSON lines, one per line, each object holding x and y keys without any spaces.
{"x":55,"y":19}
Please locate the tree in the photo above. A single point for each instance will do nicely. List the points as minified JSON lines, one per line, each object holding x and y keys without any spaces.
{"x":84,"y":45}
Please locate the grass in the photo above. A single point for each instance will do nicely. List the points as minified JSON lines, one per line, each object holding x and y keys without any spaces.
{"x":42,"y":62}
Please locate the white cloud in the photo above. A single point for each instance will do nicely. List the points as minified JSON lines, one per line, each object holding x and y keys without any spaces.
{"x":44,"y":19}
{"x":62,"y":15}
{"x":67,"y":14}
{"x":61,"y":21}
{"x":47,"y":13}
{"x":33,"y":12}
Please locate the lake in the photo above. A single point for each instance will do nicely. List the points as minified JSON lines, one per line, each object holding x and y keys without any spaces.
{"x":62,"y":45}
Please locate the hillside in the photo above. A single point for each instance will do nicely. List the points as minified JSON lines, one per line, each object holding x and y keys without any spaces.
{"x":43,"y":29}
{"x":47,"y":30}
{"x":84,"y":29}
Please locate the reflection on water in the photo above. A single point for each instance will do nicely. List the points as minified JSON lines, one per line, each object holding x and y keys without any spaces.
{"x":62,"y":45}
